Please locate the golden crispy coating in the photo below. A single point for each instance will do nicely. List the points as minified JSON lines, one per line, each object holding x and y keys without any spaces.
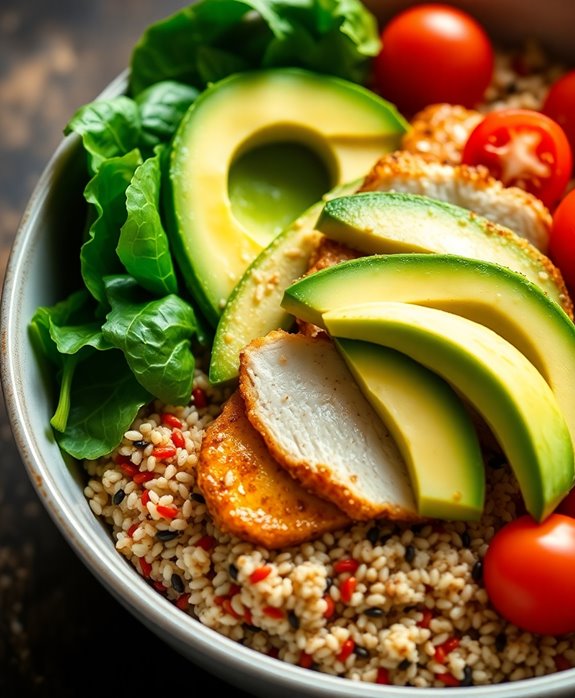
{"x":249,"y":494}
{"x":440,"y":131}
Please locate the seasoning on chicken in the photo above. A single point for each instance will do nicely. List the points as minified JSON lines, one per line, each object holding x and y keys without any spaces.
{"x":249,"y":494}
{"x":470,"y":187}
{"x":440,"y":131}
{"x":301,"y":397}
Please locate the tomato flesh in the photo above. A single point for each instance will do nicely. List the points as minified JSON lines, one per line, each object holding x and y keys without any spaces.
{"x":562,"y":240}
{"x":433,"y":53}
{"x":560,"y":105}
{"x":522,"y":148}
{"x":528,"y":572}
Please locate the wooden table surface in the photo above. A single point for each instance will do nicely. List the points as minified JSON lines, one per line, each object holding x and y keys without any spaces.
{"x":61,"y":633}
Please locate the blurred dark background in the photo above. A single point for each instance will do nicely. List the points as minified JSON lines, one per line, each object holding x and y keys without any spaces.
{"x":61,"y":633}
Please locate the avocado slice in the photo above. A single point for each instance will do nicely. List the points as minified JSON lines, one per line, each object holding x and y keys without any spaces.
{"x":258,"y":123}
{"x":432,"y":430}
{"x":487,"y":293}
{"x":495,"y":377}
{"x":384,"y":222}
{"x":254,"y":306}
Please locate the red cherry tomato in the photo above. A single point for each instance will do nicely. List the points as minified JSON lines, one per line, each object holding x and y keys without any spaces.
{"x":567,"y":505}
{"x":560,"y":105}
{"x":562,"y":239}
{"x":433,"y":53}
{"x":522,"y":148}
{"x":528,"y":573}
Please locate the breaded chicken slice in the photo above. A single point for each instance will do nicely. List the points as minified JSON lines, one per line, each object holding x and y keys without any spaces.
{"x":440,"y":131}
{"x":249,"y":494}
{"x":301,"y":397}
{"x":470,"y":187}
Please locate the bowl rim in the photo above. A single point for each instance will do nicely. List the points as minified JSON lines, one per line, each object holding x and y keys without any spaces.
{"x":119,"y":577}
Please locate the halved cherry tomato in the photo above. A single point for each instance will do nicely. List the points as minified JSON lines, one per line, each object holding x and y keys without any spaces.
{"x":562,"y":239}
{"x":522,"y":148}
{"x":567,"y":505}
{"x":528,"y":573}
{"x":433,"y":53}
{"x":560,"y":105}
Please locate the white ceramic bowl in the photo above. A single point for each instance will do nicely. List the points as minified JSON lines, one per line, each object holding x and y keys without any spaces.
{"x":37,"y":274}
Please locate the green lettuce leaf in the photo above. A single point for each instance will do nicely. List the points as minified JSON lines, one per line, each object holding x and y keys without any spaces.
{"x":104,"y":400}
{"x":214,"y":38}
{"x":155,"y":337}
{"x":162,"y":107}
{"x":107,"y":192}
{"x":108,"y":128}
{"x":143,"y":244}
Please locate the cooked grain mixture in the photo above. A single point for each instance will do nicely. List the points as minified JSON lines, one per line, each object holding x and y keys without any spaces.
{"x":375,"y":602}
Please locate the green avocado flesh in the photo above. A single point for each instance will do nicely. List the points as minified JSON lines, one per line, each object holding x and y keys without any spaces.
{"x":487,"y":293}
{"x":254,"y":306}
{"x":495,"y":377}
{"x":234,"y":182}
{"x":386,"y":222}
{"x":270,"y":185}
{"x":431,"y":428}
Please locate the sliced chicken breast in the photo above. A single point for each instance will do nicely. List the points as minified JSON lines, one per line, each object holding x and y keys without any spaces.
{"x":470,"y":187}
{"x":303,"y":400}
{"x":249,"y":494}
{"x":440,"y":131}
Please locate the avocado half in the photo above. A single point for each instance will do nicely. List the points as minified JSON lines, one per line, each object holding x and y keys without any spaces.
{"x":344,"y":125}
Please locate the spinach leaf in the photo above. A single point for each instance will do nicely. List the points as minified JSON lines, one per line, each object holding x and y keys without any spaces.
{"x":104,"y":400}
{"x":108,"y":128}
{"x":155,"y":336}
{"x":143,"y":244}
{"x":333,"y":36}
{"x":214,"y":38}
{"x":107,"y":192}
{"x":66,"y":333}
{"x":162,"y":107}
{"x":50,"y":326}
{"x":168,"y":49}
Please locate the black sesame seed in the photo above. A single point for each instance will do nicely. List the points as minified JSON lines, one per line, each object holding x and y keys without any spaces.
{"x":404,"y":664}
{"x":473,"y":633}
{"x":496,"y":461}
{"x":374,"y":612}
{"x":118,"y":497}
{"x":293,"y":620}
{"x":197,"y":497}
{"x":233,"y":572}
{"x":465,"y":539}
{"x":384,"y":538}
{"x":361,"y":652}
{"x":467,"y":679}
{"x":477,"y":571}
{"x":409,"y":553}
{"x":373,"y":535}
{"x":500,"y":642}
{"x":251,"y":628}
{"x":165,"y":536}
{"x":177,"y":583}
{"x":328,"y":583}
{"x":140,"y":444}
